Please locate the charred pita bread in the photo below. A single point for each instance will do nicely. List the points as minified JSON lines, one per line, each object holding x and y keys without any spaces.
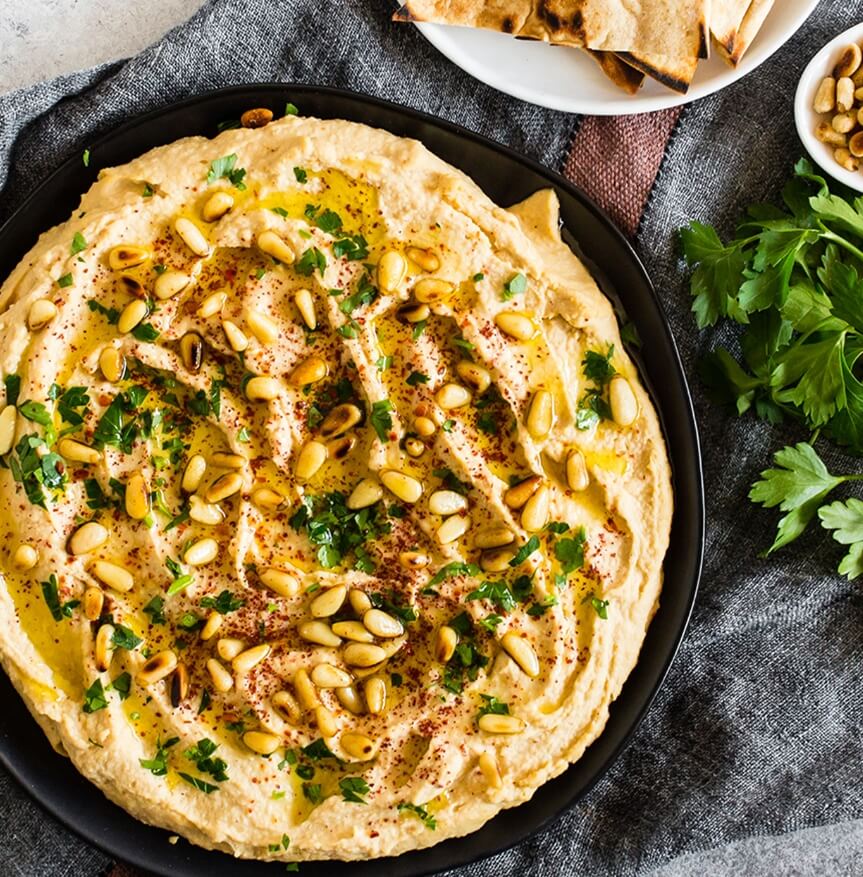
{"x":618,"y":71}
{"x":734,"y":49}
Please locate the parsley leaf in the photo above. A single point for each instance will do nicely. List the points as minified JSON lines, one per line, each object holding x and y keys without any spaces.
{"x":353,"y":788}
{"x":516,"y":285}
{"x":223,"y":604}
{"x":845,"y":519}
{"x":94,"y":698}
{"x":158,"y":764}
{"x":381,"y":419}
{"x":421,"y":813}
{"x":225,"y":168}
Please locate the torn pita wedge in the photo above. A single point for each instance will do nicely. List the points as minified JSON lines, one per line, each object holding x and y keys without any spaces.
{"x":746,"y":33}
{"x":726,"y":16}
{"x":675,"y":73}
{"x":618,"y":71}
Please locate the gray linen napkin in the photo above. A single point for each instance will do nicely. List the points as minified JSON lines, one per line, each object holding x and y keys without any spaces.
{"x":757,"y":731}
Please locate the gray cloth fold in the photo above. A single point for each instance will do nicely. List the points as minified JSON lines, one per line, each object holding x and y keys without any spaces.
{"x":757,"y":730}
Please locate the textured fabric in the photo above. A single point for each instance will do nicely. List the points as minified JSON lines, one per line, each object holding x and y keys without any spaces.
{"x":757,"y":731}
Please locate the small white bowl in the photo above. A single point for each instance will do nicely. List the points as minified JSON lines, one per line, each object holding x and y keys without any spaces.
{"x":806,"y":118}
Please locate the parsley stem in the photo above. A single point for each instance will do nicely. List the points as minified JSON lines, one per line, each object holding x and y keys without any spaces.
{"x":842,"y":242}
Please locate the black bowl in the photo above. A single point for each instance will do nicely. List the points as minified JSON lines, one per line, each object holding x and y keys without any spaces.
{"x":507,"y":177}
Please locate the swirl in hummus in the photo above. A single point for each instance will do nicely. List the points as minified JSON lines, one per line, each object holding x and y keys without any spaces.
{"x":333,"y":509}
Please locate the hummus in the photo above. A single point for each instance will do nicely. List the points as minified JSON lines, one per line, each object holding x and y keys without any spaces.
{"x":333,"y":510}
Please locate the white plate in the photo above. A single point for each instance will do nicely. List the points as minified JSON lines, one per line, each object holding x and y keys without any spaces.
{"x":806,"y":118}
{"x":567,"y":79}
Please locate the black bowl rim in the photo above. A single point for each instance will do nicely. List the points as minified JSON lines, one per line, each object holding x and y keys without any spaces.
{"x":557,"y":181}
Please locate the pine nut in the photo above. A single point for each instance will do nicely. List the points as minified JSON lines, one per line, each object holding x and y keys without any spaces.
{"x":382,"y":624}
{"x":339,"y":448}
{"x":844,"y":94}
{"x":494,"y":537}
{"x":404,"y":486}
{"x":849,"y":61}
{"x":340,"y":420}
{"x":414,"y":559}
{"x":113,"y":575}
{"x":414,"y":447}
{"x":844,"y":123}
{"x":267,"y":499}
{"x":8,"y":421}
{"x":540,"y":417}
{"x":216,"y":206}
{"x":25,"y":557}
{"x":577,"y":477}
{"x":306,"y":306}
{"x":204,"y":512}
{"x":825,"y":96}
{"x":516,"y":325}
{"x":212,"y":305}
{"x":426,"y":259}
{"x":363,"y":654}
{"x":413,"y":313}
{"x":497,"y":559}
{"x":375,"y":692}
{"x":424,"y":427}
{"x":326,"y":722}
{"x":488,"y":767}
{"x":157,"y":668}
{"x":350,"y":699}
{"x":453,"y":527}
{"x":132,"y":285}
{"x":476,"y":375}
{"x":319,"y":633}
{"x":359,"y":601}
{"x":521,"y":651}
{"x":312,"y":456}
{"x":447,"y":502}
{"x":451,"y":396}
{"x":192,"y":351}
{"x":825,"y":133}
{"x":271,"y":244}
{"x":77,"y":452}
{"x":445,"y":643}
{"x":212,"y":625}
{"x":263,"y":327}
{"x":520,"y":493}
{"x":328,"y":602}
{"x":228,"y":648}
{"x":192,"y":236}
{"x":133,"y":314}
{"x":280,"y":582}
{"x":256,"y":118}
{"x":287,"y":707}
{"x":179,"y":685}
{"x":94,"y":600}
{"x":357,"y":746}
{"x":41,"y":312}
{"x":309,"y":371}
{"x":621,"y":398}
{"x":137,"y":499}
{"x":391,"y":271}
{"x":88,"y":537}
{"x":227,"y":460}
{"x":365,"y":494}
{"x":353,"y":630}
{"x":250,"y":658}
{"x":235,"y":335}
{"x":329,"y":676}
{"x":222,"y":679}
{"x":170,"y":283}
{"x":127,"y":256}
{"x":431,"y":290}
{"x":112,"y":364}
{"x":534,"y":515}
{"x":202,"y":552}
{"x":493,"y":723}
{"x":306,"y":691}
{"x":224,"y":486}
{"x":103,"y":650}
{"x":193,"y":474}
{"x":261,"y":742}
{"x":263,"y":389}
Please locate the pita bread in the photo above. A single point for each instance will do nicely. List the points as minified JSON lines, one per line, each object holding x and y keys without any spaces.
{"x":726,"y":16}
{"x":749,"y":28}
{"x":618,"y":71}
{"x":675,"y":73}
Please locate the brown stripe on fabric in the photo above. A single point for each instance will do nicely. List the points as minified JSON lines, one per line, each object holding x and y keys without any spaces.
{"x":615,"y":160}
{"x":121,"y":870}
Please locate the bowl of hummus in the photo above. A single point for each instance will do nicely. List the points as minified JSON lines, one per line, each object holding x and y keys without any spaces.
{"x":335,"y":508}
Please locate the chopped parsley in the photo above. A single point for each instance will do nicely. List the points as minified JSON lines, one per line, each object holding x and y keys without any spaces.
{"x":491,"y":706}
{"x":64,"y":280}
{"x":317,"y":749}
{"x":158,"y":764}
{"x":525,"y":551}
{"x":416,"y":378}
{"x":51,"y":593}
{"x":593,"y":406}
{"x":181,"y":580}
{"x":570,"y":552}
{"x":516,"y":285}
{"x":381,"y":419}
{"x":456,"y":568}
{"x":599,"y":606}
{"x":497,"y":593}
{"x":155,"y":610}
{"x":301,"y":175}
{"x":223,"y":604}
{"x":125,"y":638}
{"x":226,"y":168}
{"x":353,"y":789}
{"x":79,"y":244}
{"x":311,"y":259}
{"x":94,"y":698}
{"x":421,"y":813}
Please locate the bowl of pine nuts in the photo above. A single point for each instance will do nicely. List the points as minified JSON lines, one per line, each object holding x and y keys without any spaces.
{"x":828,"y":108}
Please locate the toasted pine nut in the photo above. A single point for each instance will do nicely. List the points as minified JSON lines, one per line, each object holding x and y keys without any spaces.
{"x":493,"y":723}
{"x":326,"y":721}
{"x":309,"y":371}
{"x":357,"y":746}
{"x":127,"y":256}
{"x":497,"y":559}
{"x":224,"y":486}
{"x":306,"y":691}
{"x":478,"y":376}
{"x":488,"y":767}
{"x":849,"y":61}
{"x":229,"y":647}
{"x":844,"y":94}
{"x":413,"y":312}
{"x":452,"y":528}
{"x":263,"y":327}
{"x":157,"y":668}
{"x":382,"y":624}
{"x":250,"y":658}
{"x":273,"y":245}
{"x":330,"y":676}
{"x":192,"y":236}
{"x":206,"y":513}
{"x":447,"y":502}
{"x":216,"y":206}
{"x":137,"y":498}
{"x":287,"y":707}
{"x":306,"y":306}
{"x":212,"y":305}
{"x":328,"y":602}
{"x":202,"y":552}
{"x":267,"y":499}
{"x":451,"y":396}
{"x":359,"y":601}
{"x":25,"y":557}
{"x":521,"y":651}
{"x":350,"y":699}
{"x":319,"y":633}
{"x":312,"y":456}
{"x":222,"y":679}
{"x":426,"y":259}
{"x":103,"y":650}
{"x":227,"y":460}
{"x":236,"y":337}
{"x":353,"y":630}
{"x":365,"y":494}
{"x":256,"y":118}
{"x":193,"y":474}
{"x":844,"y":123}
{"x":621,"y":398}
{"x":8,"y":420}
{"x":520,"y":493}
{"x":414,"y":447}
{"x":375,"y":691}
{"x":494,"y":537}
{"x":404,"y":486}
{"x":363,"y":654}
{"x":414,"y":559}
{"x":445,"y":643}
{"x":214,"y":621}
{"x":88,"y":537}
{"x":534,"y":515}
{"x":192,"y":351}
{"x":280,"y":582}
{"x":340,"y":420}
{"x":133,"y":314}
{"x":263,"y":389}
{"x":94,"y":600}
{"x":391,"y":271}
{"x":41,"y":312}
{"x":516,"y":324}
{"x":577,"y":477}
{"x":261,"y":742}
{"x":112,"y":364}
{"x":170,"y":283}
{"x":431,"y":290}
{"x":424,"y":427}
{"x":179,"y":685}
{"x":540,"y":416}
{"x":114,"y":576}
{"x":825,"y":96}
{"x":77,"y":452}
{"x":340,"y":447}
